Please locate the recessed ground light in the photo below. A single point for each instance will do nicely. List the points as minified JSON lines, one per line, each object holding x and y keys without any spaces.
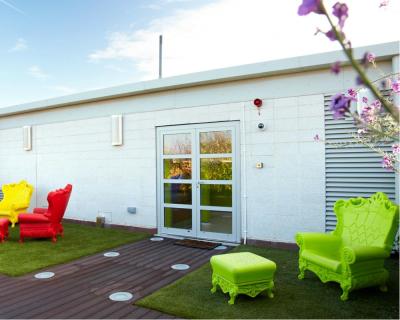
{"x":156,"y":239}
{"x":111,"y":254}
{"x":180,"y":266}
{"x":221,"y":248}
{"x":121,"y":296}
{"x":44,"y":275}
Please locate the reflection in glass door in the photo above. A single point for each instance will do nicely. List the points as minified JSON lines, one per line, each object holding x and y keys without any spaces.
{"x":198,"y":181}
{"x":215,"y":182}
{"x":177,"y":182}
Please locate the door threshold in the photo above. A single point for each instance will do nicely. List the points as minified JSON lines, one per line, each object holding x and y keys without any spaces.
{"x":170,"y":236}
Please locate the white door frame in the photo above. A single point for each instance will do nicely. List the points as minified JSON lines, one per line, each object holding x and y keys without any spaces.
{"x":195,"y":232}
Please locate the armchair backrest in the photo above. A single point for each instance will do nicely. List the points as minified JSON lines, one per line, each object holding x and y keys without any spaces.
{"x":367,"y":222}
{"x":16,"y":194}
{"x":58,"y":201}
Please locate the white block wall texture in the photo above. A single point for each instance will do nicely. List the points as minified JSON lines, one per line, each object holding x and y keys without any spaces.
{"x":108,"y":179}
{"x":72,"y":144}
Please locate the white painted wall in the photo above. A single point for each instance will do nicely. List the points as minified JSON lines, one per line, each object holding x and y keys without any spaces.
{"x":109,"y":179}
{"x":73,"y":145}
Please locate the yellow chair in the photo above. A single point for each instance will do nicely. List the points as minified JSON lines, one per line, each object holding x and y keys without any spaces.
{"x":16,"y":200}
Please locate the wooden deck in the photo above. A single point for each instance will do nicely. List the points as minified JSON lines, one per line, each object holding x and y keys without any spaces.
{"x":80,"y":289}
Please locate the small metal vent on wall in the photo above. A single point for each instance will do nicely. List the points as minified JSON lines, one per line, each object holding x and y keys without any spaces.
{"x":352,"y":171}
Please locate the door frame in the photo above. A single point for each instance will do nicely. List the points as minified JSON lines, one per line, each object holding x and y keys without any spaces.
{"x":236,"y":192}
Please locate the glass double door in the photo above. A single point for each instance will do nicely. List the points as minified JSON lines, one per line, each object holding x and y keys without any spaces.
{"x":197,"y":181}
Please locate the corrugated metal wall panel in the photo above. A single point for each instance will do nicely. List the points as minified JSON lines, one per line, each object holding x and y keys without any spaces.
{"x":350,"y":171}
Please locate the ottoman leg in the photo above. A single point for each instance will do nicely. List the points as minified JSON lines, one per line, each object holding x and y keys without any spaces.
{"x":233,"y":295}
{"x":214,"y":286}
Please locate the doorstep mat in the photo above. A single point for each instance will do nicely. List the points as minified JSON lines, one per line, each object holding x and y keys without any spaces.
{"x":197,"y":244}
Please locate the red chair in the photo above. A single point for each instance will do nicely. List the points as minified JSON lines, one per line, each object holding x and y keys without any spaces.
{"x":46,"y":223}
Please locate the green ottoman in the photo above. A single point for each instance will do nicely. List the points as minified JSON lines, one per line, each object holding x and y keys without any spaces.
{"x":242,"y":273}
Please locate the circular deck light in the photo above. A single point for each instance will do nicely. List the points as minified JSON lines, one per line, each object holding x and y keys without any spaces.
{"x":111,"y":254}
{"x":156,"y":239}
{"x":221,"y":248}
{"x":44,"y":275}
{"x":180,"y":266}
{"x":121,"y":296}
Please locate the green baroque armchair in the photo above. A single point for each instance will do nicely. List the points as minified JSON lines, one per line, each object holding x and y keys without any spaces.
{"x":353,"y":254}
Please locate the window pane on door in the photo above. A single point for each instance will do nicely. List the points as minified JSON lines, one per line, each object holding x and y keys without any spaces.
{"x":216,"y":142}
{"x":180,"y":143}
{"x":216,"y":221}
{"x":177,"y":168}
{"x":178,"y":193}
{"x":219,"y":195}
{"x":216,"y":169}
{"x":178,"y":218}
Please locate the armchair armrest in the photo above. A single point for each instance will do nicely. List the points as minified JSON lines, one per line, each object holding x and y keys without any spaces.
{"x":40,"y":210}
{"x":318,"y":241}
{"x":32,"y":218}
{"x":20,"y":206}
{"x":357,"y":254}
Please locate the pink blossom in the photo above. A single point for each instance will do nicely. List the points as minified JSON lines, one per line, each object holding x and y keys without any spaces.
{"x":387,"y":163}
{"x":371,"y":57}
{"x":365,"y":99}
{"x":396,"y":148}
{"x":396,"y":86}
{"x":335,"y":68}
{"x":368,"y":57}
{"x":376,"y":104}
{"x":369,"y":113}
{"x":352,"y":92}
{"x":317,"y":138}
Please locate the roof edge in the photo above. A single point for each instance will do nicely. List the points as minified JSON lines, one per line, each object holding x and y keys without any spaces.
{"x":382,"y":51}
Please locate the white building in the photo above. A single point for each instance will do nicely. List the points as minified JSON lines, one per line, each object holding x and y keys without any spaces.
{"x":182,"y":135}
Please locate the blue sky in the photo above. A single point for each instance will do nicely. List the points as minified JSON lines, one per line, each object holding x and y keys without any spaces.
{"x":55,"y":47}
{"x":46,"y":47}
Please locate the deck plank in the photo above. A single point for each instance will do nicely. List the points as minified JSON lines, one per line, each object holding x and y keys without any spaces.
{"x":80,"y":289}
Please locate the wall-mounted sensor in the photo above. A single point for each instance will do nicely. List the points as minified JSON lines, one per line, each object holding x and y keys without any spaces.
{"x":259,"y":165}
{"x":261,"y":126}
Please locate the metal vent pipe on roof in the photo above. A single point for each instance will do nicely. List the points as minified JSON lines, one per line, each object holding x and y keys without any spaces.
{"x":160,"y":57}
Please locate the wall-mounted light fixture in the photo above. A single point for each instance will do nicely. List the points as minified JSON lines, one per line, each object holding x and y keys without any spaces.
{"x":27,"y":138}
{"x":116,"y":130}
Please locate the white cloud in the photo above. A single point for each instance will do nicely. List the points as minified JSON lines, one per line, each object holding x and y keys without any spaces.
{"x":234,"y":32}
{"x":116,"y":68}
{"x":20,"y":45}
{"x":158,"y":5}
{"x":11,"y":6}
{"x":37,"y":72}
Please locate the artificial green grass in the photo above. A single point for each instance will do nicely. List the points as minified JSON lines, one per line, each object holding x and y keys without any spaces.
{"x":17,"y":259}
{"x":190,"y":296}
